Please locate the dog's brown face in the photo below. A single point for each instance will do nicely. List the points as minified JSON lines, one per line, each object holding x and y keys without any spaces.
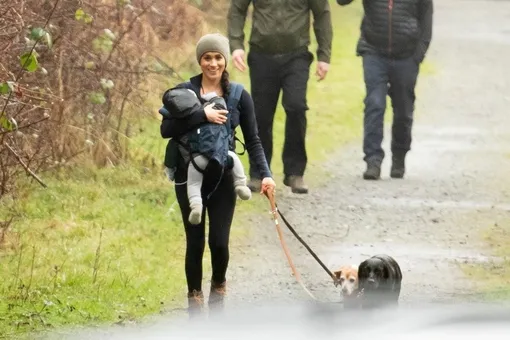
{"x":348,"y":278}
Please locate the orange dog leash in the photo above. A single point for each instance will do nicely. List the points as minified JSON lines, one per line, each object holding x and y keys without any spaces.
{"x":274,"y":212}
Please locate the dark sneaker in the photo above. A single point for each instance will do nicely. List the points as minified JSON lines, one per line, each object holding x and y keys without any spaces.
{"x":296,"y":184}
{"x":398,"y":166}
{"x":373,"y":172}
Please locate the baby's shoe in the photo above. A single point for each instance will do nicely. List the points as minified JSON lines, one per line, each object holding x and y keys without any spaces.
{"x":195,"y":216}
{"x":243,"y":192}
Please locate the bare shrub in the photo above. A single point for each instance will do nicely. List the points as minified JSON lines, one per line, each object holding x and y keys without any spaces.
{"x":74,"y":76}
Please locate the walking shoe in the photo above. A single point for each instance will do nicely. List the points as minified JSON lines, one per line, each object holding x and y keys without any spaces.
{"x":296,"y":184}
{"x":398,"y":166}
{"x":217,"y":295}
{"x":255,"y":184}
{"x":373,"y":171}
{"x":195,"y":303}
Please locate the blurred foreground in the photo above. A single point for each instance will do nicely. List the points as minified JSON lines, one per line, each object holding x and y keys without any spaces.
{"x":323,"y":321}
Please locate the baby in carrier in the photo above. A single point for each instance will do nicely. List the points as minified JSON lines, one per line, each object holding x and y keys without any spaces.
{"x":198,"y":150}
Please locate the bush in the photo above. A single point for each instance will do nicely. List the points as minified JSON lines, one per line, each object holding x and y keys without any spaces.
{"x":73,"y":80}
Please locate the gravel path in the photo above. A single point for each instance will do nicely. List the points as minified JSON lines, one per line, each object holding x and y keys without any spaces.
{"x":456,"y":183}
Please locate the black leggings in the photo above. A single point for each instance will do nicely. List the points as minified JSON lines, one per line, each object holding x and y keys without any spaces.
{"x":220,"y":211}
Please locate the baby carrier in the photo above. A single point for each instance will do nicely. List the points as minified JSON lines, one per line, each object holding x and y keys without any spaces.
{"x":210,"y":140}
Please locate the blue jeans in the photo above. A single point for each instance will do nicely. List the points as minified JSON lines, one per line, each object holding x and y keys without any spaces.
{"x":396,"y":78}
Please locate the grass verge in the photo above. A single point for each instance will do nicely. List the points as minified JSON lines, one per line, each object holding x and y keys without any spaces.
{"x":97,"y":246}
{"x":494,"y":278}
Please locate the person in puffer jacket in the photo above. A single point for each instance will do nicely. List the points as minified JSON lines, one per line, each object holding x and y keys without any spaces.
{"x":395,"y":37}
{"x":183,"y":103}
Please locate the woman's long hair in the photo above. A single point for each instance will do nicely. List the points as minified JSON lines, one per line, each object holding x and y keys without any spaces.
{"x":225,"y":82}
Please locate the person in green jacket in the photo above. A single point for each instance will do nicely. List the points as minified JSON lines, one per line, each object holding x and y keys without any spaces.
{"x":279,"y":60}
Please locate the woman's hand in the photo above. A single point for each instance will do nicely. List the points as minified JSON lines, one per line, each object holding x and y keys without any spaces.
{"x":215,"y":116}
{"x":268,"y":185}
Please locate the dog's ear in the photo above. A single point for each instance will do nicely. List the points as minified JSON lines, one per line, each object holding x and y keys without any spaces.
{"x":362,"y":267}
{"x":362,"y":275}
{"x":386,"y":272}
{"x":338,"y":273}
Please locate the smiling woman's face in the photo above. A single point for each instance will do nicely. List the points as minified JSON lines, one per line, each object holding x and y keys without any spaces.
{"x":212,"y":65}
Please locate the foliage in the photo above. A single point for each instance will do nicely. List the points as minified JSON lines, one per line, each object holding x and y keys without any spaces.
{"x":74,"y":78}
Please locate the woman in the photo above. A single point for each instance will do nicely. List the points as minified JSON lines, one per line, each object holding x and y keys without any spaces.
{"x":212,"y":52}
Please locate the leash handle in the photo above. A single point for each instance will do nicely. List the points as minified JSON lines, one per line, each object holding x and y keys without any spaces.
{"x":274,"y":210}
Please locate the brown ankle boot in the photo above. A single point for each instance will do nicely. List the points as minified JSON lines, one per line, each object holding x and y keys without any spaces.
{"x":216,"y":297}
{"x":195,"y":303}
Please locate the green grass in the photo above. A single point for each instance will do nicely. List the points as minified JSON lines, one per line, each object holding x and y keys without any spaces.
{"x":494,"y":278}
{"x":102,"y":246}
{"x":99,"y":246}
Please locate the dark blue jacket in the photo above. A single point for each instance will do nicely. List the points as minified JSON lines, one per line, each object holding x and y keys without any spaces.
{"x":395,"y":28}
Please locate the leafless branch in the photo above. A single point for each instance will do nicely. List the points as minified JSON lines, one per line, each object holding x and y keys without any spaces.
{"x":30,"y":172}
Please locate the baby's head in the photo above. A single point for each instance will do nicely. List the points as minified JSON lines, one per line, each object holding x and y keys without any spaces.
{"x":213,"y":98}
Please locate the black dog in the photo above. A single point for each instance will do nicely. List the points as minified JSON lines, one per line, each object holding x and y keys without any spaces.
{"x":379,"y":279}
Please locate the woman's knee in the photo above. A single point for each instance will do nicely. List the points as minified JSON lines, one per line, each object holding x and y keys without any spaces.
{"x":195,"y":246}
{"x":218,"y":245}
{"x":195,"y":236}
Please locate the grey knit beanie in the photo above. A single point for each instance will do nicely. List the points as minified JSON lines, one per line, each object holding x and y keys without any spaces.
{"x":213,"y":42}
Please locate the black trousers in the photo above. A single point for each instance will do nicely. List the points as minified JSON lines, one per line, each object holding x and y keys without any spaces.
{"x":289,"y":73}
{"x":396,"y":78}
{"x":220,"y":211}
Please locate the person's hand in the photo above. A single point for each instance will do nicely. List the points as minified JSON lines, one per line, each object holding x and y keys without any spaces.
{"x":238,"y":59}
{"x":215,"y":116}
{"x":322,"y":70}
{"x":268,"y":185}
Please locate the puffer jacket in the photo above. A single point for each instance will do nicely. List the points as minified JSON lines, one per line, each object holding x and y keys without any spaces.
{"x":395,"y":28}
